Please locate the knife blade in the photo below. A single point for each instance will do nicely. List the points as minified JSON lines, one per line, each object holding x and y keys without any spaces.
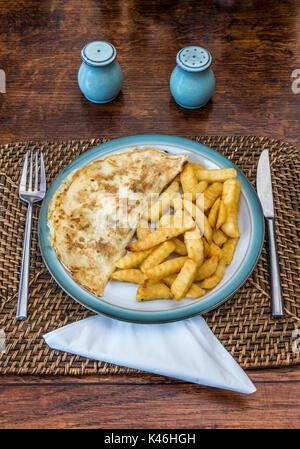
{"x":264,"y":184}
{"x":265,"y":194}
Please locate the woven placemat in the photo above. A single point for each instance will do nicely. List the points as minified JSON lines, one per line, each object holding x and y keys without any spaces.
{"x":243,"y":324}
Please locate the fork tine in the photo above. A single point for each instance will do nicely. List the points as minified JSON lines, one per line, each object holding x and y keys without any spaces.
{"x":24,"y":172}
{"x":43,"y":176}
{"x":30,"y":174}
{"x":36,"y":171}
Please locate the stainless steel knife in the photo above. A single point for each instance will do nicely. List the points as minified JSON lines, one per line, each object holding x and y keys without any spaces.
{"x":264,"y":190}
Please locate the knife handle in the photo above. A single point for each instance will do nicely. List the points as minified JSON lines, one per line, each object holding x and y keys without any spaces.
{"x":276,"y":294}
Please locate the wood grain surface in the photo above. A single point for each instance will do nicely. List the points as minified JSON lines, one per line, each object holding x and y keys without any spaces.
{"x":254,"y":44}
{"x":143,"y":402}
{"x":255,"y":49}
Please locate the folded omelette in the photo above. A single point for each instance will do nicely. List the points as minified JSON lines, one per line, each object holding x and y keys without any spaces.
{"x":94,"y":213}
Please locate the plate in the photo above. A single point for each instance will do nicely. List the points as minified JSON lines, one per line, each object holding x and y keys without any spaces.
{"x":118,"y":300}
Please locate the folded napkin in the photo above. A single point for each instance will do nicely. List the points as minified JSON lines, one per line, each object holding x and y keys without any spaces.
{"x":186,"y":350}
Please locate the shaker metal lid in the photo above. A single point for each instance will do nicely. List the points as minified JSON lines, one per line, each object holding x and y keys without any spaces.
{"x":193,"y":58}
{"x":98,"y":53}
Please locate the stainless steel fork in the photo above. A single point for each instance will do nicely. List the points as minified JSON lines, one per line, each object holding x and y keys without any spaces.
{"x":29,"y":195}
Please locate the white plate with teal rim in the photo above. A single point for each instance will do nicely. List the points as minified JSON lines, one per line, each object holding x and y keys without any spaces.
{"x":118,"y":300}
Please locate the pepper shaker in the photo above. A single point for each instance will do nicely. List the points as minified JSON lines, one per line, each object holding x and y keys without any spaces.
{"x":100,"y":75}
{"x":192,"y":81}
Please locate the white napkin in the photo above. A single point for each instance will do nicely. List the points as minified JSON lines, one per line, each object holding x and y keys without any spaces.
{"x":186,"y":350}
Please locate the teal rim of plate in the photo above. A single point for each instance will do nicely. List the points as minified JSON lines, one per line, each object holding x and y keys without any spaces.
{"x":94,"y":303}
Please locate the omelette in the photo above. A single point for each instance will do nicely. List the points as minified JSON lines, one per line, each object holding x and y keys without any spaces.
{"x":94,"y":213}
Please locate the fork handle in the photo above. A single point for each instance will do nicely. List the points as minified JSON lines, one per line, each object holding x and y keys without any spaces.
{"x":24,"y":275}
{"x":276,"y":294}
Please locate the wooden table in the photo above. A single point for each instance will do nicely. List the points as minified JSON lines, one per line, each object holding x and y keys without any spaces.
{"x":255,"y":48}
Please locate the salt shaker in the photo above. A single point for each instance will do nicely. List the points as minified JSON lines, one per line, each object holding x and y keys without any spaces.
{"x":100,"y":75}
{"x":192,"y":81}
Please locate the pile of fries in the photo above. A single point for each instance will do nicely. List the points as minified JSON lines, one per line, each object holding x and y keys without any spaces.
{"x":203,"y":231}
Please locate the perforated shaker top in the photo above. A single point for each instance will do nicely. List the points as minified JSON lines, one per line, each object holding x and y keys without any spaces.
{"x":98,"y":53}
{"x":193,"y":58}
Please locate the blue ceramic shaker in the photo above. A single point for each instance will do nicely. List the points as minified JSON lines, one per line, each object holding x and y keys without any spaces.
{"x":192,"y":81}
{"x":100,"y":75}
